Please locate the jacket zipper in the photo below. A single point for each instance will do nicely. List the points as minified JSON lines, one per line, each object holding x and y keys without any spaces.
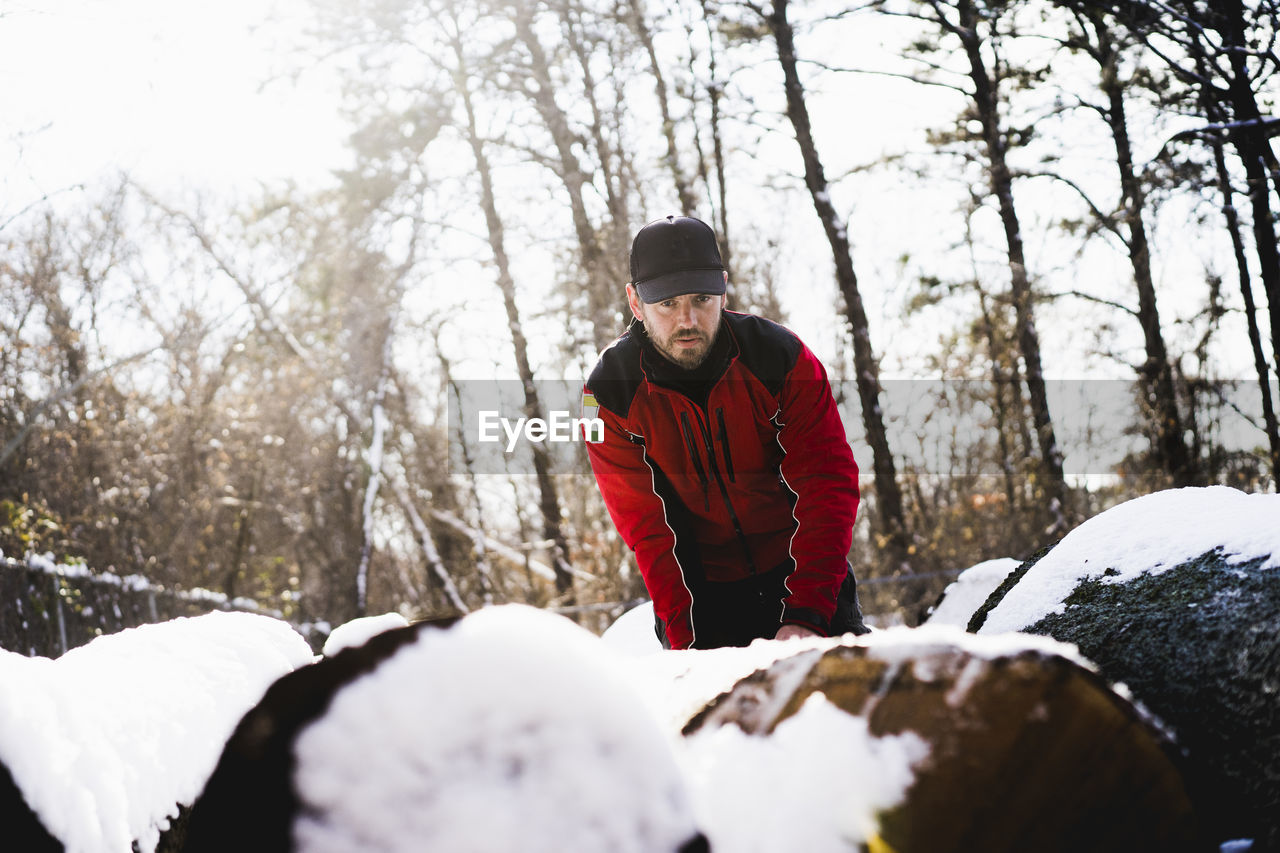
{"x":709,"y":442}
{"x":724,"y":443}
{"x":697,"y":459}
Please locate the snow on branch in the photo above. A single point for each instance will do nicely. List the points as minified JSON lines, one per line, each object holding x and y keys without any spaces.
{"x":429,"y":549}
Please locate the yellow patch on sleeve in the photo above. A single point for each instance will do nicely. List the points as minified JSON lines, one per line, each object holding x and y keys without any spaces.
{"x":590,"y":408}
{"x":592,"y":428}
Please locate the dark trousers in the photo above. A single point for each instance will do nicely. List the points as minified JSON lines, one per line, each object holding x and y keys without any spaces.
{"x":734,"y":614}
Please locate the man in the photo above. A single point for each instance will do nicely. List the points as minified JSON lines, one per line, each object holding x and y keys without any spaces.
{"x":723,"y":461}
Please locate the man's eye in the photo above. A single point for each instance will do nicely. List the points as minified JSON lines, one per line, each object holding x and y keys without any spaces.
{"x":670,"y":303}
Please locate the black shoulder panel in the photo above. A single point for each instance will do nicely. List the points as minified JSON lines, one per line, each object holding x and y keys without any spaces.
{"x":617,"y":375}
{"x":766,"y":349}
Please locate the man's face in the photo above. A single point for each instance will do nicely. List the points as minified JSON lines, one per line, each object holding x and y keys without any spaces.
{"x":683,"y":327}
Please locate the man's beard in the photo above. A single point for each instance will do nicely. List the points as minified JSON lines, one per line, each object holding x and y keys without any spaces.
{"x":686,"y":357}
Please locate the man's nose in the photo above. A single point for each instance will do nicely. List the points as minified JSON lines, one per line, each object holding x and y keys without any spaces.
{"x":685,"y":314}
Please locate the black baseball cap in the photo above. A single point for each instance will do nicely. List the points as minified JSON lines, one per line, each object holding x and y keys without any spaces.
{"x":674,"y":256}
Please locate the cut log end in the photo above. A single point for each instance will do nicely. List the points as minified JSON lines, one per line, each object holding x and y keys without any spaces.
{"x":1027,"y":751}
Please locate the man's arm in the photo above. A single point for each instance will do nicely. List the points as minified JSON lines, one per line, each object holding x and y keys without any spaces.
{"x":630,"y":486}
{"x":792,"y":631}
{"x":820,"y":470}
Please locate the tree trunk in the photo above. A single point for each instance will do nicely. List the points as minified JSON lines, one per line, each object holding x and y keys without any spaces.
{"x":603,"y":293}
{"x":483,"y":569}
{"x":1000,"y":381}
{"x":1250,"y":309}
{"x":430,"y":552}
{"x":613,"y":270}
{"x":986,"y":102}
{"x":888,"y":494}
{"x":715,"y":90}
{"x":549,"y":502}
{"x":684,"y":188}
{"x":1157,"y":377}
{"x":1255,"y":152}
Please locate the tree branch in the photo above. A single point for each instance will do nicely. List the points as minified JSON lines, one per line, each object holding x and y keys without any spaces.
{"x":61,"y":394}
{"x":1105,"y":219}
{"x":894,"y":74}
{"x":1088,"y":297}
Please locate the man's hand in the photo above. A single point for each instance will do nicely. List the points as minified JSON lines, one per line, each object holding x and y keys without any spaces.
{"x":790,"y":632}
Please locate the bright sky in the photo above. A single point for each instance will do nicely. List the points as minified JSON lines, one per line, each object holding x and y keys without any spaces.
{"x":165,"y":90}
{"x":173,"y":93}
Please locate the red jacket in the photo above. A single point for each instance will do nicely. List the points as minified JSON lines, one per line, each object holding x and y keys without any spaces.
{"x":755,"y":475}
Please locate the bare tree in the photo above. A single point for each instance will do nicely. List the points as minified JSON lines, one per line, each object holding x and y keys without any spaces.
{"x":549,"y":501}
{"x":897,"y":541}
{"x":683,"y":185}
{"x":975,"y":27}
{"x":1224,"y":51}
{"x":602,"y":284}
{"x":1094,"y":36}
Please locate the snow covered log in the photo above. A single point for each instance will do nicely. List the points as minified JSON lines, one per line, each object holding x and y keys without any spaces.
{"x":508,"y":729}
{"x":1177,"y":596}
{"x":100,"y":748}
{"x":1027,"y":748}
{"x":20,"y":828}
{"x":963,"y":596}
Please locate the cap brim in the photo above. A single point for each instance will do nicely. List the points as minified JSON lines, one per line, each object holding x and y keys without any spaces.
{"x":679,"y":283}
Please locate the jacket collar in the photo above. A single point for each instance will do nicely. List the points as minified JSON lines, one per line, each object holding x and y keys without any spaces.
{"x":697,"y":383}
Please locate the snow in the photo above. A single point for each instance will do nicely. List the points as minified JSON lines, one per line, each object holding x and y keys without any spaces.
{"x":516,"y":729}
{"x":826,"y":778}
{"x":1149,"y":534}
{"x":632,"y":633}
{"x":538,"y":713}
{"x":577,"y":740}
{"x":900,"y":644}
{"x":675,"y":685}
{"x":512,"y":707}
{"x":105,"y":741}
{"x":963,"y":596}
{"x":357,"y":632}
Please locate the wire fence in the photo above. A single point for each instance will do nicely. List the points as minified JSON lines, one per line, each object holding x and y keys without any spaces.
{"x":47,"y":608}
{"x":911,"y":578}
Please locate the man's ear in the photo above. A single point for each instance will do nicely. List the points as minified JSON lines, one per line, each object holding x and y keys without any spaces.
{"x":633,"y":299}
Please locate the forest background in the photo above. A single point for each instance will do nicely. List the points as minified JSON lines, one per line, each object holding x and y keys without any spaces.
{"x":1033,"y":242}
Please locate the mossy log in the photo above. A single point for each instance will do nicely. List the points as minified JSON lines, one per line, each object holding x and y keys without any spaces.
{"x":1198,"y":644}
{"x":1028,"y":750}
